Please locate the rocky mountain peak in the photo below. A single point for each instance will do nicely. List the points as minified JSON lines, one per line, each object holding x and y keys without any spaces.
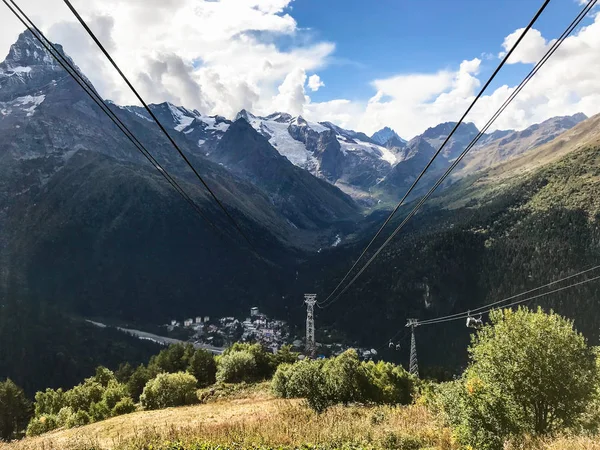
{"x":444,"y":129}
{"x":29,"y":67}
{"x":383,"y":136}
{"x":244,"y":114}
{"x":28,"y":52}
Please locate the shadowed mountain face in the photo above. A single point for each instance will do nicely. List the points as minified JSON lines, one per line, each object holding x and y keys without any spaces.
{"x":89,"y":224}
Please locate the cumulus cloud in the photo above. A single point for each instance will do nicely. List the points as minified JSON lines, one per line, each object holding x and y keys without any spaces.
{"x":567,"y":84}
{"x":291,"y":97}
{"x":314,"y":82}
{"x":216,"y":56}
{"x":529,"y":51}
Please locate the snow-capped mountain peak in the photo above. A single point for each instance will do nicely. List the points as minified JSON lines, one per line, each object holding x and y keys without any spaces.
{"x":385,"y":135}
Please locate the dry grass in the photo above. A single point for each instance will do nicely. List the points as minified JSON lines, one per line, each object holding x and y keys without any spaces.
{"x":562,"y":443}
{"x":251,"y":422}
{"x":259,"y":420}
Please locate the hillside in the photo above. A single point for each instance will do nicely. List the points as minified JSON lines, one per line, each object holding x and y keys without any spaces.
{"x":514,"y":227}
{"x":261,"y":421}
{"x":257,"y":420}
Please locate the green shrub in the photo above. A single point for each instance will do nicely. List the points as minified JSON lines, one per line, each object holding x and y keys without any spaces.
{"x":84,"y":394}
{"x":280,"y":380}
{"x":307,"y":380}
{"x":204,"y":367}
{"x":343,"y":379}
{"x":388,"y":383}
{"x":530,"y":373}
{"x":346,"y":378}
{"x":79,"y":419}
{"x":49,"y":402}
{"x":138,"y":380}
{"x":63,"y":416}
{"x":124,"y":406}
{"x":113,"y":393}
{"x":104,"y":376}
{"x":169,"y":389}
{"x":42,"y":424}
{"x":236,"y":367}
{"x":98,"y":411}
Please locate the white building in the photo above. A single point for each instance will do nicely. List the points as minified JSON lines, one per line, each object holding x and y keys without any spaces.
{"x":254,"y":311}
{"x":188,"y":322}
{"x":198,"y":319}
{"x":206,"y":319}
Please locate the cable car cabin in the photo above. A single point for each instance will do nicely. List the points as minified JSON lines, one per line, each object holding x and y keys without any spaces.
{"x":474,"y":322}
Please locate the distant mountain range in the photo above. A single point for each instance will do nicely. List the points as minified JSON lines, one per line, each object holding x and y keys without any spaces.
{"x":88,"y":225}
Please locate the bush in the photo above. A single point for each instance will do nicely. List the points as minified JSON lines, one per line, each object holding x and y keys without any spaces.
{"x":113,"y":394}
{"x":236,"y":367}
{"x":15,"y":410}
{"x":41,"y":425}
{"x":124,"y":406}
{"x":388,"y":383}
{"x":264,"y":361}
{"x":343,"y":379}
{"x":49,"y":402}
{"x":169,"y":389}
{"x":63,"y":416}
{"x":79,"y":419}
{"x":138,"y":380}
{"x":83,"y":395}
{"x":103,"y":376}
{"x":307,"y":380}
{"x":204,"y":367}
{"x":530,"y":373}
{"x":346,"y":378}
{"x":280,"y":380}
{"x":98,"y":411}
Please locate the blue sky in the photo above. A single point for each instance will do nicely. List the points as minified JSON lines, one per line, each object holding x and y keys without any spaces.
{"x":383,"y":38}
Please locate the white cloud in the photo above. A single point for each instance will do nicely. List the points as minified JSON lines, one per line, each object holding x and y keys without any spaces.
{"x":529,"y":51}
{"x":216,"y":56}
{"x":566,"y":84}
{"x":314,"y":82}
{"x":291,"y":98}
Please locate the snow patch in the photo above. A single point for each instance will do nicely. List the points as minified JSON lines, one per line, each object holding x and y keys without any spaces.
{"x":280,"y":138}
{"x":34,"y":101}
{"x":184,"y":122}
{"x":337,"y":241}
{"x":181,"y":119}
{"x":21,"y":69}
{"x":200,"y":142}
{"x":366,"y":147}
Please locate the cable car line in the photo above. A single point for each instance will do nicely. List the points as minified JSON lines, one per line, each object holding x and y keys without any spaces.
{"x":523,"y":83}
{"x":409,"y":191}
{"x":159,"y":124}
{"x":504,"y":300}
{"x":579,"y":283}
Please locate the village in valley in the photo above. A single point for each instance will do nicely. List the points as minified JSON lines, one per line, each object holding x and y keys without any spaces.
{"x":257,"y":327}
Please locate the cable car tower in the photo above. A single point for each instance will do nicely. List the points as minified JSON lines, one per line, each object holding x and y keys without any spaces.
{"x":310,"y":300}
{"x":413,"y":368}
